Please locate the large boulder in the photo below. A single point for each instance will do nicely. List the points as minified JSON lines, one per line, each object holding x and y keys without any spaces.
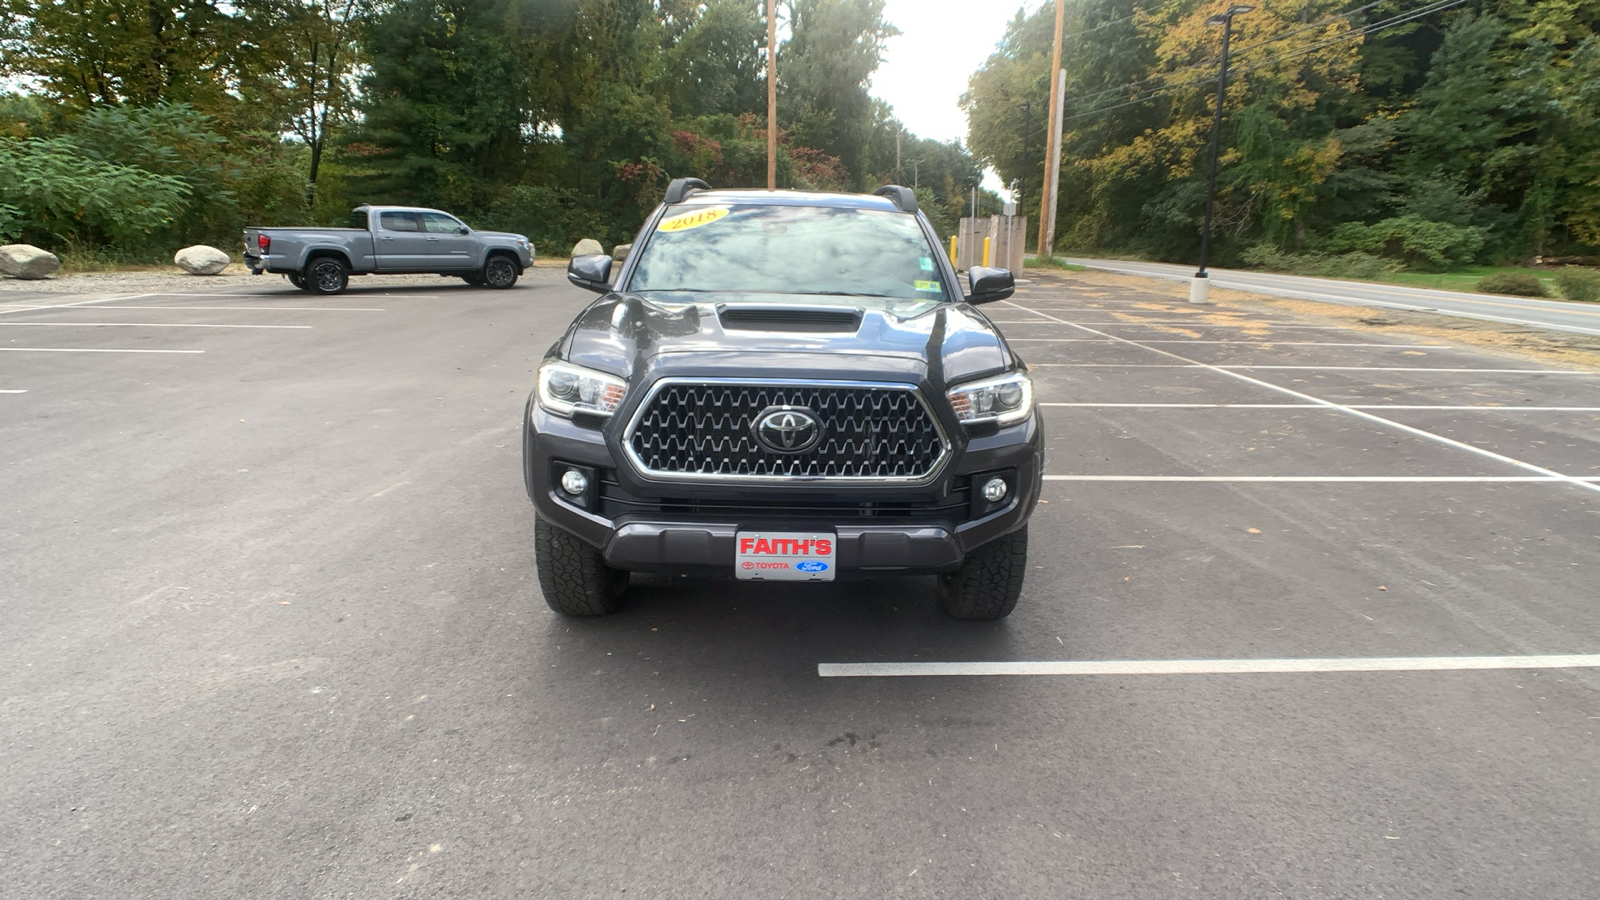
{"x":201,"y":260}
{"x":27,"y":261}
{"x":587,"y":247}
{"x":620,"y":252}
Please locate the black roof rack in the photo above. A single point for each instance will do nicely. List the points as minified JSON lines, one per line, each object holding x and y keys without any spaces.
{"x":901,"y":195}
{"x":679,"y":188}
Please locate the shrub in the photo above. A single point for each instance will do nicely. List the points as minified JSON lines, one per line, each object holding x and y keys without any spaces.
{"x":1413,"y":240}
{"x":1522,"y":284}
{"x":1579,"y":283}
{"x":1344,"y":265}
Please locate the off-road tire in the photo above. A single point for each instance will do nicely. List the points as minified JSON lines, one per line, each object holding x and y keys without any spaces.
{"x":298,"y":280}
{"x":988,"y":584}
{"x":326,"y":275}
{"x":500,"y":271}
{"x":573,"y":575}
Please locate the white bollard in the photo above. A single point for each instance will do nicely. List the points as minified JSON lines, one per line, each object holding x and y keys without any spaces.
{"x":1199,"y":287}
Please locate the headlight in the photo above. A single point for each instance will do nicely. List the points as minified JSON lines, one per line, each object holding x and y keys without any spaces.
{"x":565,"y":389}
{"x":1004,"y":400}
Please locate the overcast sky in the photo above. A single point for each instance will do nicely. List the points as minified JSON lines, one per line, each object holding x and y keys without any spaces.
{"x":925,"y":69}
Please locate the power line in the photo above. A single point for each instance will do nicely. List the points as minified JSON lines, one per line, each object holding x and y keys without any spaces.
{"x":1329,"y":20}
{"x":1383,"y":25}
{"x":1210,"y":61}
{"x":1100,"y":26}
{"x":1370,"y":29}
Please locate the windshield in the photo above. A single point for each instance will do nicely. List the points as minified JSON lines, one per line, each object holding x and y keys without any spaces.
{"x":808,"y":250}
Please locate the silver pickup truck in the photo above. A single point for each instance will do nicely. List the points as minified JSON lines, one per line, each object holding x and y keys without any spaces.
{"x":387,"y":240}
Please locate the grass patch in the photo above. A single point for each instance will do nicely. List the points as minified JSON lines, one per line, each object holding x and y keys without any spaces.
{"x":1051,"y":262}
{"x":1463,"y":280}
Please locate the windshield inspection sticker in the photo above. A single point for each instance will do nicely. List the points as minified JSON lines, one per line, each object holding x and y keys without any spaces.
{"x":927,"y":264}
{"x":688,"y":220}
{"x":927,"y":285}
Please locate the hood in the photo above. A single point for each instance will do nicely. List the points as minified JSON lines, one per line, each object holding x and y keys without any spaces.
{"x":504,"y":235}
{"x":812,"y":337}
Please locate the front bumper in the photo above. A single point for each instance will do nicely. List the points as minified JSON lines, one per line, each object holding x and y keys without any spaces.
{"x":677,"y":528}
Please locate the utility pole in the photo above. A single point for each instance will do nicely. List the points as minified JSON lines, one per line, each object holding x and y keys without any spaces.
{"x":1047,"y":203}
{"x":1047,"y":230}
{"x":897,"y":177}
{"x":1200,"y":284}
{"x":772,"y":95}
{"x":1027,"y":123}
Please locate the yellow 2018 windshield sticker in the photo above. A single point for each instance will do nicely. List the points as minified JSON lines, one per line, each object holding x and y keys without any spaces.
{"x":927,"y":285}
{"x":688,"y":220}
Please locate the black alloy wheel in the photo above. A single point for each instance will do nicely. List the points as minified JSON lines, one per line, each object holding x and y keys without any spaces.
{"x":500,"y":272}
{"x":327,"y":275}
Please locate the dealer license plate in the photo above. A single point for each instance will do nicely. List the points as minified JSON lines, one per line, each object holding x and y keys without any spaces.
{"x":784,"y":555}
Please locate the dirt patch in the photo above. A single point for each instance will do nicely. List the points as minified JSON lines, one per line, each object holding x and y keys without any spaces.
{"x":1501,"y":339}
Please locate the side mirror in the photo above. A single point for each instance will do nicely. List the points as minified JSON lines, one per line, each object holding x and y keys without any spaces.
{"x":989,"y":285}
{"x":463,"y":230}
{"x":592,"y":273}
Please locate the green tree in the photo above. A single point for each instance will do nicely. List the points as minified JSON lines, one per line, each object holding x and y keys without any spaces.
{"x":445,"y":103}
{"x":713,"y":63}
{"x":135,"y":52}
{"x":824,"y":76}
{"x":310,"y":52}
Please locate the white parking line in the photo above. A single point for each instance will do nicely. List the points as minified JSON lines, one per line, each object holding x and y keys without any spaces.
{"x":1335,"y":479}
{"x":1258,"y":343}
{"x":1176,"y":323}
{"x":248,"y":294}
{"x":1304,"y":367}
{"x":87,"y":350}
{"x":1144,"y":320}
{"x":136,"y":325}
{"x":1212,"y":666}
{"x":13,"y":392}
{"x":1319,"y":406}
{"x":253,"y":308}
{"x":1360,"y":414}
{"x":11,"y":309}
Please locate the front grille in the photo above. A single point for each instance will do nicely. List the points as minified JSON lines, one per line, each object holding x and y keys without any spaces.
{"x":955,"y":506}
{"x":705,"y":430}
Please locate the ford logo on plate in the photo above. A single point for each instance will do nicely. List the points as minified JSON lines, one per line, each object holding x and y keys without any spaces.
{"x":811,"y":566}
{"x":787,"y":429}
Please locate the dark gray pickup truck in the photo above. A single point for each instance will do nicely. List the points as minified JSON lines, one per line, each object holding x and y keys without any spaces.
{"x":783,"y":386}
{"x":387,"y":240}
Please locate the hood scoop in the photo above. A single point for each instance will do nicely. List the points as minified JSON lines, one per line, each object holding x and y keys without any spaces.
{"x":789,"y":318}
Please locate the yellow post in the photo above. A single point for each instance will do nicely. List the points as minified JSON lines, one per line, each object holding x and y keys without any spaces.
{"x":986,"y":250}
{"x":952,"y":249}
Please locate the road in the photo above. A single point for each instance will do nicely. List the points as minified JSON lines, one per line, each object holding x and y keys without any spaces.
{"x":1555,"y":315}
{"x":271,"y":628}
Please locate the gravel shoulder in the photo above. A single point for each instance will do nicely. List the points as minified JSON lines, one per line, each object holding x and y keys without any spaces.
{"x":1505,"y":340}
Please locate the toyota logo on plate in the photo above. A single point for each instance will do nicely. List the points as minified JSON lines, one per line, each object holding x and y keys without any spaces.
{"x":788,"y":429}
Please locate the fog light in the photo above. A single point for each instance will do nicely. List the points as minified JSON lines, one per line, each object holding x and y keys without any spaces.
{"x":575,"y":484}
{"x":994,"y":490}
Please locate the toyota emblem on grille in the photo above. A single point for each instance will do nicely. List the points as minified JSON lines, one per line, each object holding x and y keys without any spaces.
{"x":787,"y":429}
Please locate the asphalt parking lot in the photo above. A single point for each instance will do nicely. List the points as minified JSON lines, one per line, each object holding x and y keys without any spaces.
{"x":271,"y":628}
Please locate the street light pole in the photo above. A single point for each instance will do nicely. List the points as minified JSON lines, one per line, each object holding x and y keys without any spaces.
{"x":1200,"y":285}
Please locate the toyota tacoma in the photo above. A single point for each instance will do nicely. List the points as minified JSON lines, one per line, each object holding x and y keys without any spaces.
{"x":387,"y":240}
{"x":783,"y":386}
